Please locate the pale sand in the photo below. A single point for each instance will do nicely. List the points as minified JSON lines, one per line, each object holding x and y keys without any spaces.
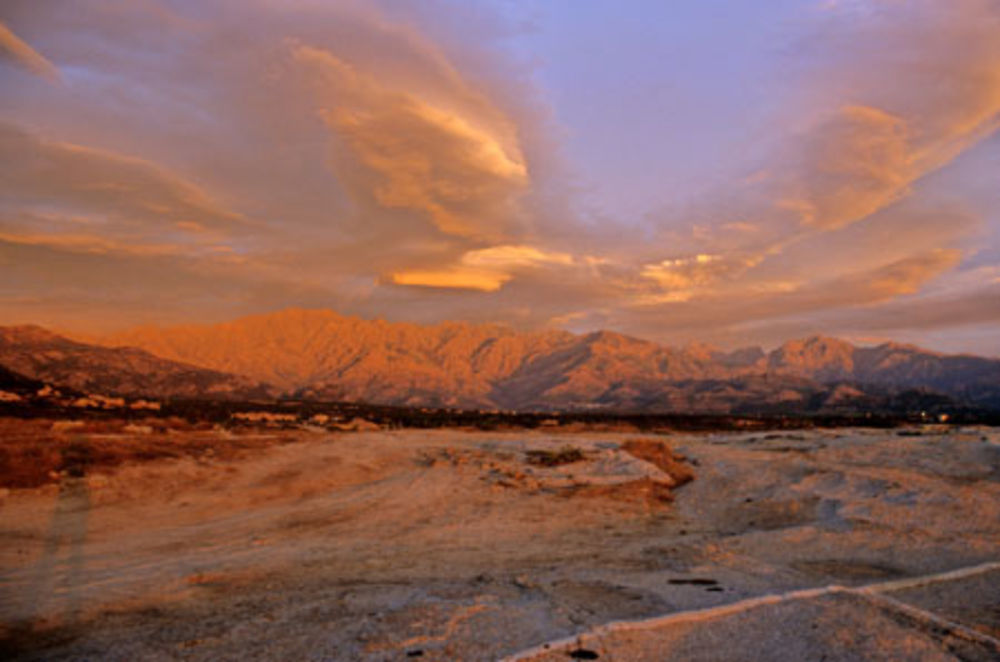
{"x":380,"y":545}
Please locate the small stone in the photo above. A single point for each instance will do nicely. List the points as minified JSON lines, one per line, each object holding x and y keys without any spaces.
{"x":522,"y":581}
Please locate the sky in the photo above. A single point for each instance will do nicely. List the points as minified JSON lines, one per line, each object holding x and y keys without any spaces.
{"x":714,"y":171}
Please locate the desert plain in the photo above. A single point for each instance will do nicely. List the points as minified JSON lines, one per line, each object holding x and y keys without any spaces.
{"x":311,"y":544}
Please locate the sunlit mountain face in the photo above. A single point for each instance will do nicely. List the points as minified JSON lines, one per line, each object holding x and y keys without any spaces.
{"x":322,"y":356}
{"x":730,"y":173}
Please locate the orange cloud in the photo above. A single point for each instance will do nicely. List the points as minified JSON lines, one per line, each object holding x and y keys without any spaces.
{"x":898,"y":278}
{"x":857,"y":162}
{"x":922,"y":84}
{"x":18,"y":51}
{"x":453,"y":278}
{"x":83,"y":243}
{"x":741,"y":304}
{"x":462,"y":172}
{"x":837,"y":218}
{"x":401,"y":176}
{"x":508,"y":256}
{"x":486,"y":269}
{"x":60,"y":186}
{"x":682,"y":276}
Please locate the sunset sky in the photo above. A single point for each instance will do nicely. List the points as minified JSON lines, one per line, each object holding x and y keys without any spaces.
{"x":724,"y":171}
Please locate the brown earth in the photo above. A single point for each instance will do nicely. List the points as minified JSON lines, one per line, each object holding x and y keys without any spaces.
{"x":37,"y":452}
{"x":448,"y":545}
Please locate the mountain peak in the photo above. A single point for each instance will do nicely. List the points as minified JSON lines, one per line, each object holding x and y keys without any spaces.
{"x":289,"y":316}
{"x":323,"y":355}
{"x":702,"y":351}
{"x":29,"y":333}
{"x":893,"y":346}
{"x":820,"y":342}
{"x":817,"y":357}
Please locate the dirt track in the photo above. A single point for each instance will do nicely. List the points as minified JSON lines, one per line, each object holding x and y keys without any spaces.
{"x":451,"y":545}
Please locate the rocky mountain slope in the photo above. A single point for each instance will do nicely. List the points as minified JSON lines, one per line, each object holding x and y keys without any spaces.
{"x":827,"y":360}
{"x":323,"y":355}
{"x":12,"y":382}
{"x":34,"y":353}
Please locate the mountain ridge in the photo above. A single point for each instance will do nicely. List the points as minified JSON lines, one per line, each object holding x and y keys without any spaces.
{"x":33,"y":352}
{"x":321,"y":354}
{"x":325,"y":356}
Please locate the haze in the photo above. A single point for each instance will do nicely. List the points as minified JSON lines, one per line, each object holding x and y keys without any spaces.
{"x":722,"y":171}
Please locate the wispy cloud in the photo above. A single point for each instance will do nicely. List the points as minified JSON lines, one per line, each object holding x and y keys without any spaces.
{"x":898,"y":91}
{"x":374,"y":158}
{"x":461,"y":172}
{"x":48,"y":174}
{"x":16,"y":50}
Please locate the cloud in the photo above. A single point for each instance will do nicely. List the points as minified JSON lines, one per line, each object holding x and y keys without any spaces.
{"x":462,"y":172}
{"x":87,"y":288}
{"x":974,"y":308}
{"x":16,"y":50}
{"x":685,"y":273}
{"x":485,"y":269}
{"x":854,"y":164}
{"x":37,"y":170}
{"x":319,"y":147}
{"x":721,"y":313}
{"x":957,"y":321}
{"x":889,"y":281}
{"x":840,"y":216}
{"x":59,"y":187}
{"x":921,"y":81}
{"x":82,"y":243}
{"x":891,"y":93}
{"x":384,"y":159}
{"x":462,"y":278}
{"x":99,"y":245}
{"x":514,"y":256}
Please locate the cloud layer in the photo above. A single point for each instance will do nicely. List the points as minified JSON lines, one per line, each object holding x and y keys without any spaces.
{"x":230,"y":157}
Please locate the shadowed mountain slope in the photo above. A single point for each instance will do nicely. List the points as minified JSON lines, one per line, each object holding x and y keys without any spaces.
{"x":34,"y":353}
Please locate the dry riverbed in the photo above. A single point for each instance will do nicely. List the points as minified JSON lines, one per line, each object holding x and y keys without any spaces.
{"x":452,"y":545}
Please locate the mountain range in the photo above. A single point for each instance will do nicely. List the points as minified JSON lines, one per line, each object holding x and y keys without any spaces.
{"x":322,"y":355}
{"x":35,"y":354}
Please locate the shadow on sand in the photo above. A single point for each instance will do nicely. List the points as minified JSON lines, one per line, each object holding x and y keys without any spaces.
{"x":53,"y":594}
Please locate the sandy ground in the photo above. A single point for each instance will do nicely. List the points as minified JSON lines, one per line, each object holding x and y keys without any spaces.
{"x":449,"y":545}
